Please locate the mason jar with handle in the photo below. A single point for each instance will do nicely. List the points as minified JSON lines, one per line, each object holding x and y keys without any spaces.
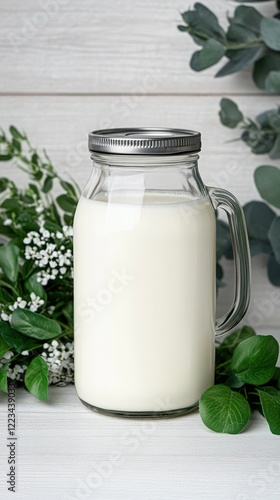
{"x":145,"y":274}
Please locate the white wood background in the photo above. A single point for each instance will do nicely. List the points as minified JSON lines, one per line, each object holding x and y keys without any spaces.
{"x":70,"y":66}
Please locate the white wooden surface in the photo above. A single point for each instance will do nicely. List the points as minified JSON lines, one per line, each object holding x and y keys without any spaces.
{"x":67,"y":452}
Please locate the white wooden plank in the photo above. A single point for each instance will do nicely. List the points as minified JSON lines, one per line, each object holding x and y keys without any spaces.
{"x":68,"y":46}
{"x":61,"y":125}
{"x":81,"y":454}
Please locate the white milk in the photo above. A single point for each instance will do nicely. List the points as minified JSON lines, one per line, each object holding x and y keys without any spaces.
{"x":144,"y":301}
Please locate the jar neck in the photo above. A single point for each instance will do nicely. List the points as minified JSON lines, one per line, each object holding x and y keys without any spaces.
{"x":145,"y":173}
{"x":186,"y":160}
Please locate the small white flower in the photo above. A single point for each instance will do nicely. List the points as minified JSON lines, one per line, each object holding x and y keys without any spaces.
{"x":7,"y":222}
{"x":25,"y":353}
{"x":59,"y":235}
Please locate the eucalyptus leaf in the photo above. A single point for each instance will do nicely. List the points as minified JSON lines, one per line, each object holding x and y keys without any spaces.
{"x":240,"y":60}
{"x":248,"y":17}
{"x":267,"y":179}
{"x":270,"y":31}
{"x":230,"y":115}
{"x":9,"y":254}
{"x":262,"y":68}
{"x":223,"y":410}
{"x":4,"y":377}
{"x":36,"y":378}
{"x":203,"y":20}
{"x":272,"y":82}
{"x":210,"y":54}
{"x":34,"y":325}
{"x":259,"y":218}
{"x":270,"y":401}
{"x":273,"y":271}
{"x":274,"y":237}
{"x":255,"y":358}
{"x":275,"y":151}
{"x":259,"y":247}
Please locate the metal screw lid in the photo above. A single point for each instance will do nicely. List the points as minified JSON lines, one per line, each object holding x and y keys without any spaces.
{"x":144,"y":141}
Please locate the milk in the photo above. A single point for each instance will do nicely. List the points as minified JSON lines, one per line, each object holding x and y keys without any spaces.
{"x":144,"y":301}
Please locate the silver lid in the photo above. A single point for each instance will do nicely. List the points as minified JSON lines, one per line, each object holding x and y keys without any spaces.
{"x":144,"y":141}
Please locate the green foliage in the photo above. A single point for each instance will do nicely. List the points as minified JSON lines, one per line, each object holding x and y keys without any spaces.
{"x":33,"y":308}
{"x":261,"y":135}
{"x":36,"y":378}
{"x":246,"y":379}
{"x":250,"y":39}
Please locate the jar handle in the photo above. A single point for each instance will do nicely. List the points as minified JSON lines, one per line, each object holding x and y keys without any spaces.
{"x":241,"y":253}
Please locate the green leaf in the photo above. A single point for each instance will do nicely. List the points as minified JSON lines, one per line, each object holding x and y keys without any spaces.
{"x":16,"y":340}
{"x":274,"y":238}
{"x":201,"y":19}
{"x":211,"y":53}
{"x":223,"y":410}
{"x":267,"y":179}
{"x":272,"y":82}
{"x":275,"y":151}
{"x":229,"y":113}
{"x":6,"y":157}
{"x":4,"y":377}
{"x":66,"y":203}
{"x":15,"y":133}
{"x":36,"y":378}
{"x":69,"y":188}
{"x":270,"y":31}
{"x":32,"y":285}
{"x":4,"y":182}
{"x":259,"y":217}
{"x":240,"y":59}
{"x":259,"y":247}
{"x":34,"y":325}
{"x":247,"y":17}
{"x":9,"y":254}
{"x":4,"y":347}
{"x":234,"y":339}
{"x":262,"y":68}
{"x":48,"y":184}
{"x":273,"y":271}
{"x":254,"y":359}
{"x":270,"y":401}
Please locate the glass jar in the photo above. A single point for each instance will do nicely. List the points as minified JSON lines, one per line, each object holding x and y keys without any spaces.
{"x":145,"y":274}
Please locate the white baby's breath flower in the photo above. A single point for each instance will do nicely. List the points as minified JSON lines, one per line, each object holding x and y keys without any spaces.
{"x":7,"y":222}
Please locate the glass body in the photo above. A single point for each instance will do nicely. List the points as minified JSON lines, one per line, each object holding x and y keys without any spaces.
{"x":145,"y":284}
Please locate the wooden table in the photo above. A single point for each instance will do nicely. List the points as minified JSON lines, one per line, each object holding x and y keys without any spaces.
{"x":65,"y":451}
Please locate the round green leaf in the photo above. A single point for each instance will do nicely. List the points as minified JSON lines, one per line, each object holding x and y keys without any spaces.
{"x":274,"y":237}
{"x":211,"y":53}
{"x":270,"y":401}
{"x":239,"y":59}
{"x":232,"y":340}
{"x":262,"y":68}
{"x":36,"y":378}
{"x":259,"y":217}
{"x":272,"y":82}
{"x":267,"y":179}
{"x":270,"y":31}
{"x":254,"y":359}
{"x":66,"y":203}
{"x":230,"y":115}
{"x":34,"y":325}
{"x":223,"y":410}
{"x":273,"y":271}
{"x":275,"y":151}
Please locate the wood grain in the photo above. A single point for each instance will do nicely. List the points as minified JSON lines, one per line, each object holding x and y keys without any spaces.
{"x":113,"y":46}
{"x":67,"y":452}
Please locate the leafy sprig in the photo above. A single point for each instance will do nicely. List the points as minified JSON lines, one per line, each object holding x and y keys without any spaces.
{"x":35,"y":232}
{"x":250,"y":39}
{"x":247,"y":379}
